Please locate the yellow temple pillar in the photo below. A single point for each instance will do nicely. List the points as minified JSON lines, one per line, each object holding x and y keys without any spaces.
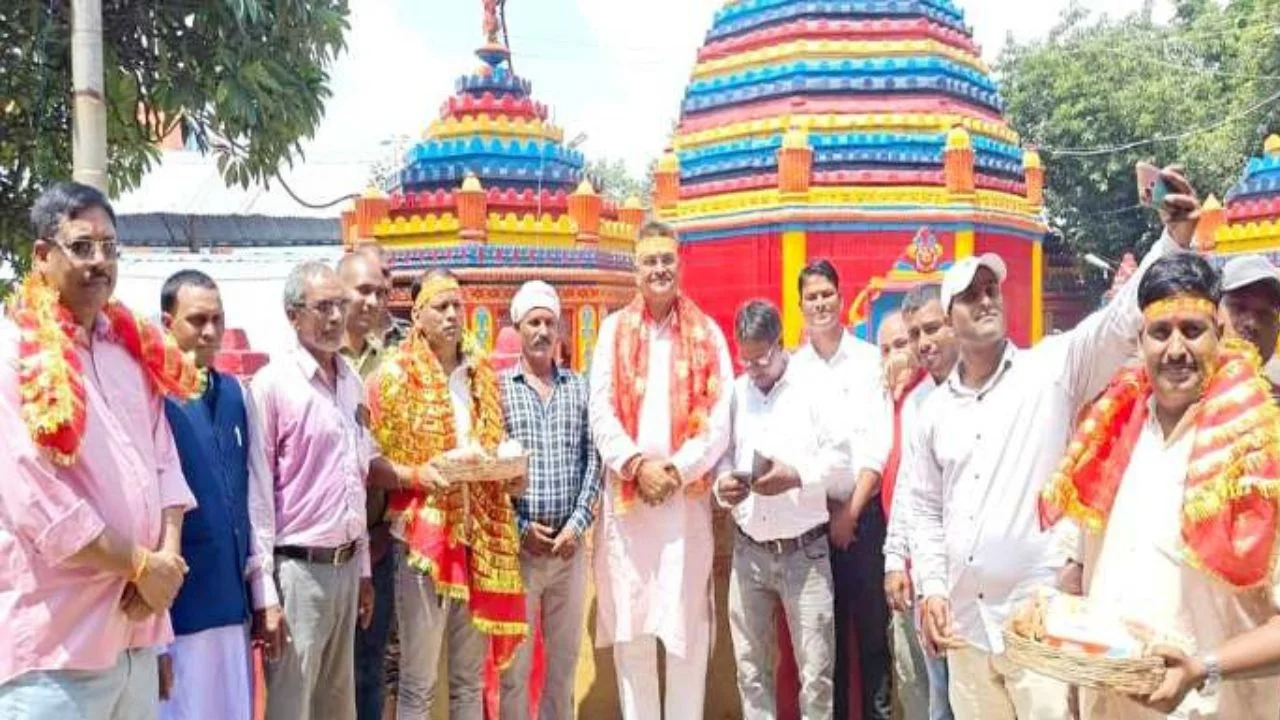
{"x":795,"y":170}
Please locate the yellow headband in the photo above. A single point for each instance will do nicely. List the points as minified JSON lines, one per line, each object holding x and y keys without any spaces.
{"x":1162,"y":309}
{"x":433,"y":287}
{"x":655,"y":244}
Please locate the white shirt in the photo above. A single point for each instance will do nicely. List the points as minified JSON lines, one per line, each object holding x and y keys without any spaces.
{"x":853,"y":376}
{"x":981,"y":457}
{"x":788,"y":424}
{"x":1134,"y":569}
{"x":897,"y":539}
{"x":460,"y":399}
{"x":653,"y":563}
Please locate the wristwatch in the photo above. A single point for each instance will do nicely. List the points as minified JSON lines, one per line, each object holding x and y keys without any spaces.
{"x":1212,"y":675}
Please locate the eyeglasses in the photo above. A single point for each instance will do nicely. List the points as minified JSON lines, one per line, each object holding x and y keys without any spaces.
{"x":326,"y":308}
{"x":86,"y":250}
{"x":760,"y":363}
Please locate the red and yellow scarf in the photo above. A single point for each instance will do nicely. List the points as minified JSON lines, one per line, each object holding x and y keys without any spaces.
{"x":1229,"y":509}
{"x":50,"y":374}
{"x":695,"y":379}
{"x":466,"y":540}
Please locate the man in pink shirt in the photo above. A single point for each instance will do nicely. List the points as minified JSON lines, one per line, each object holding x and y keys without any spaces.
{"x":308,"y":512}
{"x":93,"y":495}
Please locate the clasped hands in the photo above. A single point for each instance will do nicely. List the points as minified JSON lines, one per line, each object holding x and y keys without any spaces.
{"x":657,"y":480}
{"x":157,"y":578}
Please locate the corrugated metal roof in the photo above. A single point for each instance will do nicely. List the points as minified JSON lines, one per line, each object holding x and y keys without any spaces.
{"x":168,"y":230}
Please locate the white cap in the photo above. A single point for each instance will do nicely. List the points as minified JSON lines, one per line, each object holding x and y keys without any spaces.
{"x":1247,"y":270}
{"x":531,"y":295}
{"x":960,"y":275}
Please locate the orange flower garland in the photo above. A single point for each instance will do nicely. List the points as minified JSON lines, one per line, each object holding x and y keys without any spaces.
{"x":1230,"y":517}
{"x":50,"y":374}
{"x":465,"y":539}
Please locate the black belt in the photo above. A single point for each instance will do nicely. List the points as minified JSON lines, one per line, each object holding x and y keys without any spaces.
{"x":788,"y":545}
{"x":319,"y":556}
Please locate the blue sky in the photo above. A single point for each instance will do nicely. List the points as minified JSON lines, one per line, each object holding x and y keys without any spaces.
{"x":612,"y":69}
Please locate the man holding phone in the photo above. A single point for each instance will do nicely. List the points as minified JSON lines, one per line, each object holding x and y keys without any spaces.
{"x":782,"y":453}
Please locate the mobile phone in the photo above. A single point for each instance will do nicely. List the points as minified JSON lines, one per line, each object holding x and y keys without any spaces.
{"x":1151,"y":187}
{"x":743,"y":476}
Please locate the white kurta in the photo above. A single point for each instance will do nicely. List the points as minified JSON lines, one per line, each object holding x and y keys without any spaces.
{"x":653,"y":564}
{"x":1133,"y":568}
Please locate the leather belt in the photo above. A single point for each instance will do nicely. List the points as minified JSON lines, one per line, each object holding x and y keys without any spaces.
{"x":788,"y":545}
{"x":319,"y":556}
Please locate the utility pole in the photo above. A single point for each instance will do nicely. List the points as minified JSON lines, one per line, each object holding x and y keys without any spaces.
{"x":89,"y":114}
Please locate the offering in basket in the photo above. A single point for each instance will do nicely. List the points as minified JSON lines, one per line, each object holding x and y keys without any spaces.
{"x":475,"y":465}
{"x":1065,"y":637}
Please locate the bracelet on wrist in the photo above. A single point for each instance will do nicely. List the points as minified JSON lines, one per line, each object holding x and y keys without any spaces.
{"x":140,"y":559}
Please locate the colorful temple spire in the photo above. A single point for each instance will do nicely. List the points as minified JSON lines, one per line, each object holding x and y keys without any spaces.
{"x":844,"y":129}
{"x":1250,"y":221}
{"x":493,"y":193}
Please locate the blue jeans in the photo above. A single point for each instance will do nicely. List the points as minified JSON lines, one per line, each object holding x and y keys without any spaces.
{"x":371,"y":644}
{"x":939,"y":701}
{"x":128,"y":690}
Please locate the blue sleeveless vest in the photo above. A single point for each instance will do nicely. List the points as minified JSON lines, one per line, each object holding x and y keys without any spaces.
{"x":212,"y":436}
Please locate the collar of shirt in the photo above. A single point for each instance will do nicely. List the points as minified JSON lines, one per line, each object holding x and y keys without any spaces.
{"x":778,"y":387}
{"x":559,"y":374}
{"x":958,"y":387}
{"x":311,"y":369}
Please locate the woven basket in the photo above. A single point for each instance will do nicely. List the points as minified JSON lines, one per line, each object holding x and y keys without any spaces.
{"x":495,"y":470}
{"x":1139,"y":676}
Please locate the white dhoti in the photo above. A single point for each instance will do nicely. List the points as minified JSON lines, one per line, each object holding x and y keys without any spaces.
{"x":212,"y":676}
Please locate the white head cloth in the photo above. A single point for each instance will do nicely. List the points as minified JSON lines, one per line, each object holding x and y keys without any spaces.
{"x":531,"y":295}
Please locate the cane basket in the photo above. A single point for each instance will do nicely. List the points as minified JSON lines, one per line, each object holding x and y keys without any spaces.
{"x":1135,"y":676}
{"x":499,"y":469}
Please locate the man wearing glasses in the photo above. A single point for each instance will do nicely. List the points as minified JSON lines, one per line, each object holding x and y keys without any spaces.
{"x":308,"y":513}
{"x":92,"y":497}
{"x":780,"y":554}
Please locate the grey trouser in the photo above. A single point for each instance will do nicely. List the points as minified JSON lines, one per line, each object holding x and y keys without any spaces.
{"x":424,"y":618}
{"x":801,"y":582}
{"x":555,"y":592}
{"x":128,"y":690}
{"x":315,"y":676}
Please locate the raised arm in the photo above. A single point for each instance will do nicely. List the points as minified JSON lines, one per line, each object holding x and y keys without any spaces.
{"x":1096,"y":348}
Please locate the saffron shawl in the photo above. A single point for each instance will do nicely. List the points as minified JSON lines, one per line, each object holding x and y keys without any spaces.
{"x":694,"y":387}
{"x":1229,"y":508}
{"x":465,"y":539}
{"x":51,"y":376}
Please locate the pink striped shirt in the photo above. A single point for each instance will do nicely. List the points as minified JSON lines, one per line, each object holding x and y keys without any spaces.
{"x":55,"y":615}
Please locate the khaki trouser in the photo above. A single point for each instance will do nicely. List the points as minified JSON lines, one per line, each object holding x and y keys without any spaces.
{"x":315,"y":676}
{"x":555,"y":593}
{"x":990,"y":687}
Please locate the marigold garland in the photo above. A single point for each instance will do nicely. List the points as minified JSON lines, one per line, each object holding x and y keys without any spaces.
{"x":466,"y":540}
{"x":50,"y":373}
{"x":1230,"y":517}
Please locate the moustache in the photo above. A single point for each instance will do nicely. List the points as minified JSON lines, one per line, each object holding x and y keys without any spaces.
{"x":541,"y":341}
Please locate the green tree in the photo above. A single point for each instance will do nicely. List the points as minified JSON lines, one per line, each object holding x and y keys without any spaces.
{"x":614,"y":181}
{"x":1097,"y":91}
{"x":243,"y":79}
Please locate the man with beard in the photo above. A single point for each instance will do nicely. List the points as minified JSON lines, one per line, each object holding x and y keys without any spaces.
{"x":780,"y":555}
{"x":436,"y":398}
{"x":852,"y":370}
{"x":1251,"y":304}
{"x":545,"y":408}
{"x":308,"y":511}
{"x":363,"y":346}
{"x":985,"y":442}
{"x":1174,"y":476}
{"x":933,"y":343}
{"x":660,"y":397}
{"x":206,"y":672}
{"x":92,"y":496}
